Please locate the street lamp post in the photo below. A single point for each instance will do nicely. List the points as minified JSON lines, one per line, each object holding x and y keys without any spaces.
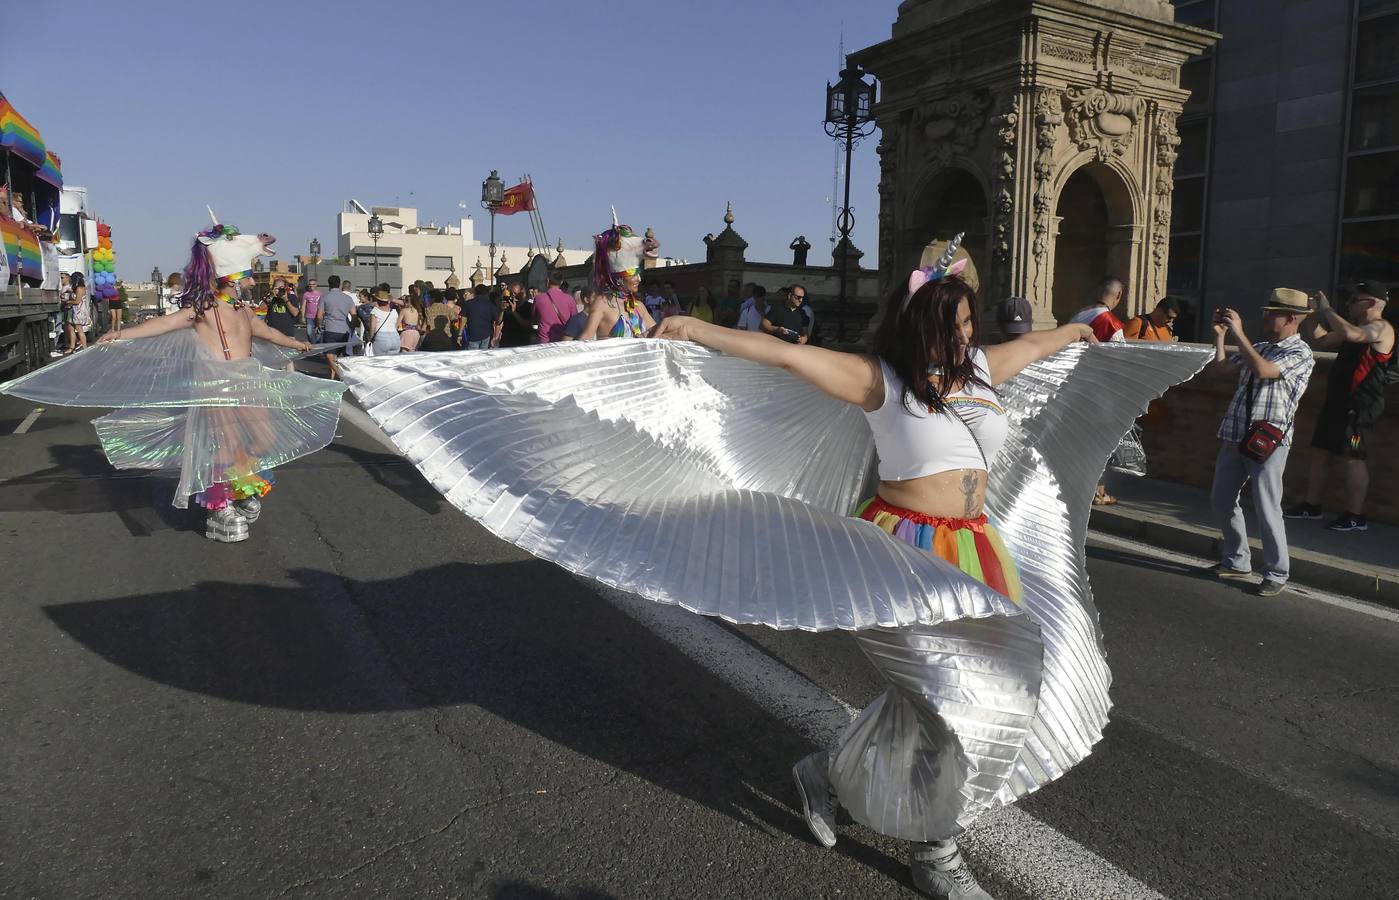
{"x":849,"y":118}
{"x":315,"y":257}
{"x":492,"y":196}
{"x":156,"y":278}
{"x":376,"y":231}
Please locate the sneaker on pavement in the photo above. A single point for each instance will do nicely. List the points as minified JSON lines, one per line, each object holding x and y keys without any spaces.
{"x":939,"y":870}
{"x":1349,"y":522}
{"x":1269,"y":588}
{"x":819,"y":801}
{"x":1228,"y":573}
{"x":1302,"y":511}
{"x":227,"y":526}
{"x":250,"y":507}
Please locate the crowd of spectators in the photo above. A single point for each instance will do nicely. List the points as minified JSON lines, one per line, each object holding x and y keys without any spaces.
{"x":429,"y":318}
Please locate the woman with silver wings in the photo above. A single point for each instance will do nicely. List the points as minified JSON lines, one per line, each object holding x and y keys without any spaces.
{"x":962,"y":576}
{"x":201,"y":391}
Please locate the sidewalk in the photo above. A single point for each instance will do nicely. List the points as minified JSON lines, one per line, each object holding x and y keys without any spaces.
{"x":1177,"y":517}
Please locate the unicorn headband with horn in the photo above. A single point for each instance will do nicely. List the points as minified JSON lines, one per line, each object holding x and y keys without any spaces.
{"x":944,"y":266}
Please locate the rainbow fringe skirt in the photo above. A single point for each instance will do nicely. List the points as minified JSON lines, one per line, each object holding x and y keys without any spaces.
{"x":971,"y":545}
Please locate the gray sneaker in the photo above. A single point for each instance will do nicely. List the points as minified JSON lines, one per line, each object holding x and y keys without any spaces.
{"x":1269,"y":588}
{"x":251,"y":508}
{"x":1220,"y":570}
{"x":940,"y":871}
{"x":819,"y":801}
{"x":227,"y":526}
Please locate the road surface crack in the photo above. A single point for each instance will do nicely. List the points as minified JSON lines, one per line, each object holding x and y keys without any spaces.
{"x":443,"y":829}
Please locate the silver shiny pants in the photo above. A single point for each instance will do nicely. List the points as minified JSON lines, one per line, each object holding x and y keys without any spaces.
{"x":934,"y":750}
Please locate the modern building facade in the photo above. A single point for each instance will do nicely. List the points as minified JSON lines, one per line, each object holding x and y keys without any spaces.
{"x":411,"y":251}
{"x":1289,"y":159}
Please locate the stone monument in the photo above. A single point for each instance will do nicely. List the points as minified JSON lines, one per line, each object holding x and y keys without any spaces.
{"x":1044,"y":129}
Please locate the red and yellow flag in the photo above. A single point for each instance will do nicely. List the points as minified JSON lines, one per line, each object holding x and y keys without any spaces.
{"x":519,"y":198}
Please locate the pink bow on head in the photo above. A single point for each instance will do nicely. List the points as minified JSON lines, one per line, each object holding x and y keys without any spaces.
{"x":920,"y":277}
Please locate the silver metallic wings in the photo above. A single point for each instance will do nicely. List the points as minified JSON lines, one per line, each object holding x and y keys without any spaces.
{"x":670,"y":471}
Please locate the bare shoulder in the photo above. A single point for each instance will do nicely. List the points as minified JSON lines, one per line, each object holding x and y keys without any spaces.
{"x":853,"y":377}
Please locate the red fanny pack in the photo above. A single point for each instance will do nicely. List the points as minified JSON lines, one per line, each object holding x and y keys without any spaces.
{"x":1261,"y":438}
{"x":1260,"y":441}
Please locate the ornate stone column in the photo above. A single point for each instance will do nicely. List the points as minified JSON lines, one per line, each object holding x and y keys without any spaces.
{"x":989,"y":108}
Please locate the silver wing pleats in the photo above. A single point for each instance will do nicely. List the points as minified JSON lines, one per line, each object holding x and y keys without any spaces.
{"x":181,"y":407}
{"x":725,"y":487}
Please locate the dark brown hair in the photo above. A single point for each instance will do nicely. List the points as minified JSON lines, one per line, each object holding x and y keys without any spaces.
{"x":923,"y":336}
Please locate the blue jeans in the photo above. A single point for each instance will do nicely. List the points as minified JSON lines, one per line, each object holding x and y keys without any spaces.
{"x":1231,"y":470}
{"x":483,"y":344}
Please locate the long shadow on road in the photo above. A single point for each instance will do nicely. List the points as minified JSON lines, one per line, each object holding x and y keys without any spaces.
{"x":82,"y":482}
{"x":518,"y":639}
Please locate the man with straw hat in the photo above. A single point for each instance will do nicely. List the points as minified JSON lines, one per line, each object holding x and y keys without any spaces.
{"x":1256,"y":433}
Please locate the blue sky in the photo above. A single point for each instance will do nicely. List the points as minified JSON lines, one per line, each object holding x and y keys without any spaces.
{"x":275,"y":113}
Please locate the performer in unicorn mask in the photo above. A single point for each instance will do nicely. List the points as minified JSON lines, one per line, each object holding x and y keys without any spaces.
{"x":713,"y":453}
{"x":195,"y":392}
{"x":618,"y":257}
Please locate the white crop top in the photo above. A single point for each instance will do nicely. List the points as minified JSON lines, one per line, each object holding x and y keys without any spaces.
{"x":911,"y":446}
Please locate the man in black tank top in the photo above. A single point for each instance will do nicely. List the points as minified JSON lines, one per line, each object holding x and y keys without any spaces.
{"x":1364,"y":345}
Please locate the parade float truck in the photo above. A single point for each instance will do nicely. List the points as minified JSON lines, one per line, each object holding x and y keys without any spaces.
{"x":32,"y":255}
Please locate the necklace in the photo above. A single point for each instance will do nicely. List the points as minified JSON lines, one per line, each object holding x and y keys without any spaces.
{"x":627,"y":315}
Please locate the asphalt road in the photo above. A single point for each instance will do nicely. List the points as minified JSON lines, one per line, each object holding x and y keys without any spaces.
{"x":374,"y":698}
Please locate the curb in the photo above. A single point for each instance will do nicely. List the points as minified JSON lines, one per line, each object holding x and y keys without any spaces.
{"x":1309,"y":568}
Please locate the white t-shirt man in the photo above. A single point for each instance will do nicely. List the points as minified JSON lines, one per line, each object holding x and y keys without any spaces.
{"x":750,"y":315}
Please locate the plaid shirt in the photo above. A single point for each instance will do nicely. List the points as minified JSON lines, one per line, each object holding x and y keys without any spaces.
{"x":1274,"y":400}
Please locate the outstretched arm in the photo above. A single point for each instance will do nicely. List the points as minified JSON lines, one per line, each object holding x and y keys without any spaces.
{"x":262,"y":331}
{"x":1007,"y":360}
{"x":152,"y":327}
{"x":845,"y":376}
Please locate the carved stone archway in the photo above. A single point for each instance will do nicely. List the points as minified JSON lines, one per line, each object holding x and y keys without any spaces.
{"x":1022,"y":94}
{"x":952,"y":201}
{"x":1094,"y":235}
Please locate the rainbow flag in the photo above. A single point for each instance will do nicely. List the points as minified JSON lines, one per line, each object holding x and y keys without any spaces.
{"x":22,"y":248}
{"x":19,"y":137}
{"x":52,"y":169}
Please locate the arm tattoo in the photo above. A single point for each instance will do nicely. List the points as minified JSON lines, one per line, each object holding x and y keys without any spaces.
{"x":968,"y":493}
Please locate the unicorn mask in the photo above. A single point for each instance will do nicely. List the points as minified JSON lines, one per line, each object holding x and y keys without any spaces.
{"x":618,"y":253}
{"x":221,"y":254}
{"x":231,"y":253}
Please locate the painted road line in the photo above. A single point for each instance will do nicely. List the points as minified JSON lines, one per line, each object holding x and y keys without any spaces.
{"x":1364,"y":607}
{"x":29,"y":420}
{"x":1020,"y":848}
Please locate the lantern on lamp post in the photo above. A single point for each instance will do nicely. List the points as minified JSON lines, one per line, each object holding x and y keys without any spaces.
{"x":849,"y":118}
{"x":492,"y":196}
{"x":376,"y":231}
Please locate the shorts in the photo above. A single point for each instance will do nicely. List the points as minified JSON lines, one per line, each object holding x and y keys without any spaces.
{"x":1339,"y":432}
{"x":335,"y":337}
